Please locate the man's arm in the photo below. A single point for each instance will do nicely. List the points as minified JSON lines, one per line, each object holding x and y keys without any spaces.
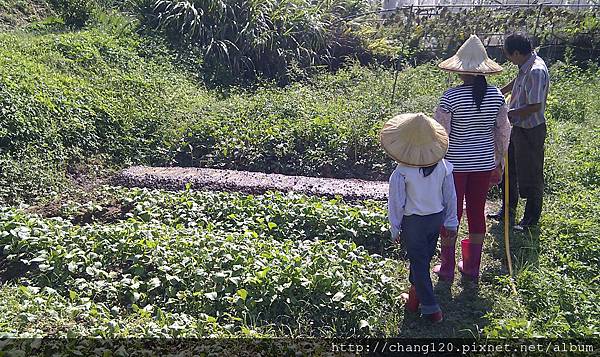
{"x":516,"y":114}
{"x":508,"y":88}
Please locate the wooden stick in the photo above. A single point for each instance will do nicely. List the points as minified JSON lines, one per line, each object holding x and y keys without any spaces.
{"x":507,"y":225}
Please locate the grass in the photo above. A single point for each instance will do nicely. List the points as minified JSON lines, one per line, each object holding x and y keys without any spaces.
{"x":80,"y":99}
{"x":557,"y":266}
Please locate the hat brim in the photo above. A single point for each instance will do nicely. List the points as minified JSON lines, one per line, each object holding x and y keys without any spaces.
{"x":475,"y":73}
{"x":423,"y":164}
{"x":412,"y":165}
{"x":488,"y":67}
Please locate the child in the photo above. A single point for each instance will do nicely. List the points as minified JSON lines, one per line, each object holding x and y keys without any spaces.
{"x":421,"y":199}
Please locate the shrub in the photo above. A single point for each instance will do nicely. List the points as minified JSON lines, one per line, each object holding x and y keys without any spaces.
{"x":75,"y":13}
{"x":256,"y":38}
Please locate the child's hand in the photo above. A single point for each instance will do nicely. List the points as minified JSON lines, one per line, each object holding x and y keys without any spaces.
{"x":397,"y":240}
{"x":452,"y":233}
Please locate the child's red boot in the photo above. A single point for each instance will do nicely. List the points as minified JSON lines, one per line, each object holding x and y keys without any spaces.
{"x":435,"y":318}
{"x":412,"y":301}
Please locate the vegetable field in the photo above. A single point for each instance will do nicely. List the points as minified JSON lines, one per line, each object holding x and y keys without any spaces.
{"x":82,"y":257}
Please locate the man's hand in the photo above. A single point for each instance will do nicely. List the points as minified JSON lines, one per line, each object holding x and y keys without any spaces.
{"x":397,"y":240}
{"x":516,"y":114}
{"x":508,"y":87}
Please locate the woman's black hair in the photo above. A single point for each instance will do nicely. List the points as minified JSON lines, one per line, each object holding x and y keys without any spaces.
{"x":428,"y":170}
{"x":479,"y":90}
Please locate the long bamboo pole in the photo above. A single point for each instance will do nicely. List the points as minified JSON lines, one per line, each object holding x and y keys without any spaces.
{"x":507,"y":225}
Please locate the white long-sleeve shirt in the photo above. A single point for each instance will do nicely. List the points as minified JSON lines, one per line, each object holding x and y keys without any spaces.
{"x":412,"y":193}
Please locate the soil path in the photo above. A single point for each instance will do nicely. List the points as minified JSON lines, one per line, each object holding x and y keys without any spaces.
{"x":176,"y":178}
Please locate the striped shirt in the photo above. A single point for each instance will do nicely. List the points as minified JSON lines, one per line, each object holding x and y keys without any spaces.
{"x":531,"y":87}
{"x":472,"y":142}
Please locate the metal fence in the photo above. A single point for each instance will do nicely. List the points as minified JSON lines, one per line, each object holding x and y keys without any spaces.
{"x":553,"y":44}
{"x":393,"y":4}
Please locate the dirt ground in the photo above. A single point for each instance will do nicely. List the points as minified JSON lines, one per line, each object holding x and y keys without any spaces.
{"x":176,"y":178}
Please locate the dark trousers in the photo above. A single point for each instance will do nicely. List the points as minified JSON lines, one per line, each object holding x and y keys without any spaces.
{"x":421,"y":235}
{"x":526,"y":172}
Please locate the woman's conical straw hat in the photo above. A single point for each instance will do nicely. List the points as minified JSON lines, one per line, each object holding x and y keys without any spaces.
{"x":414,"y":140}
{"x":471,"y":58}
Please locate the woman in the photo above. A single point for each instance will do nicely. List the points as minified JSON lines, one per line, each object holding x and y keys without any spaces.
{"x":474,"y":115}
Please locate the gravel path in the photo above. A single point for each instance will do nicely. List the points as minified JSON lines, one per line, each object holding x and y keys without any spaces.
{"x":175,"y":178}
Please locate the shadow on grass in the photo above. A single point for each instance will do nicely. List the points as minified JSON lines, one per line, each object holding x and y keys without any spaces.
{"x":463,"y":313}
{"x":465,"y":303}
{"x":524,"y":247}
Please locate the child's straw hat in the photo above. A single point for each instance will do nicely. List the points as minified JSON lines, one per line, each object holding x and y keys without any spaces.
{"x":414,"y":140}
{"x":471,"y":58}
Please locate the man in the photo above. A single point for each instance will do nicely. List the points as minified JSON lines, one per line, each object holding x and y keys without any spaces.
{"x":526,"y":114}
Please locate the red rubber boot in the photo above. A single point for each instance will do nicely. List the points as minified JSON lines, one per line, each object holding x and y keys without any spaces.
{"x":471,"y":253}
{"x":412,"y":301}
{"x":445,"y":270}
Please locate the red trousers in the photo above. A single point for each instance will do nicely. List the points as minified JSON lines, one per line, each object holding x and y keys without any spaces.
{"x":472,"y":187}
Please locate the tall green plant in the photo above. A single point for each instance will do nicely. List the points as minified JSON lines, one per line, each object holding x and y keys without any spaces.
{"x":249,"y":37}
{"x":75,"y":13}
